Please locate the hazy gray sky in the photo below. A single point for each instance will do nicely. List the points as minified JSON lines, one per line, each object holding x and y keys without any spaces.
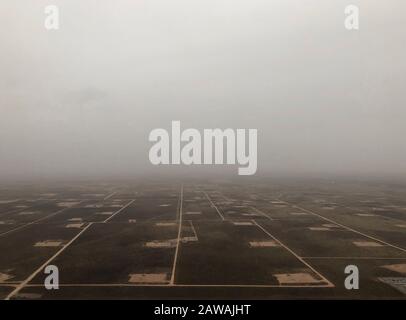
{"x":82,"y":100}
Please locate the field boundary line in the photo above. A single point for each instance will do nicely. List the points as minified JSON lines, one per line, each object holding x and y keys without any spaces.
{"x":110,"y":195}
{"x":261,"y":212}
{"x":184,"y":285}
{"x":175,"y":260}
{"x":194,"y":230}
{"x":355,"y":258}
{"x":215,"y":207}
{"x":118,"y":211}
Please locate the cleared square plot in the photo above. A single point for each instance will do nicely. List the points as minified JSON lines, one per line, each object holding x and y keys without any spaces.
{"x":264,"y":244}
{"x":27,"y":213}
{"x":105,"y":213}
{"x":299,"y":214}
{"x":3,"y":202}
{"x":149,"y":278}
{"x":297,"y":278}
{"x":253,"y":215}
{"x":363,"y":243}
{"x":166,"y":224}
{"x":319,"y":229}
{"x":75,"y":225}
{"x":49,"y":243}
{"x":75,"y":219}
{"x":170,"y":243}
{"x":192,"y":213}
{"x":67,"y":204}
{"x":243,"y":223}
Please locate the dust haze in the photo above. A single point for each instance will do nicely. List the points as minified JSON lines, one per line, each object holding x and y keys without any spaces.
{"x":82,"y":100}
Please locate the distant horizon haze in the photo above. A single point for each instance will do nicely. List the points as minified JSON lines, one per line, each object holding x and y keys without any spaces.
{"x":80,"y":102}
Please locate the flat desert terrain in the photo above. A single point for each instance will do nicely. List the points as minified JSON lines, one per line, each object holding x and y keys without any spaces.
{"x":198,"y":239}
